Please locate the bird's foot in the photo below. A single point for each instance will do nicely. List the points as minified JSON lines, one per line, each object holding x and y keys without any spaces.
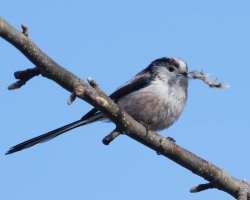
{"x":171,"y":139}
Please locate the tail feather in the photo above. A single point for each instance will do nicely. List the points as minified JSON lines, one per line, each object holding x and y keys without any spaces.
{"x":50,"y":135}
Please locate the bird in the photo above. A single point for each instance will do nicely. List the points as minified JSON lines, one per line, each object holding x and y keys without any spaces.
{"x":155,"y":97}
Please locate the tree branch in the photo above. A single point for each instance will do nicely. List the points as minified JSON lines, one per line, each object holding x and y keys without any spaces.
{"x":124,"y":123}
{"x":24,"y":76}
{"x":110,"y":137}
{"x":244,"y":191}
{"x":202,"y":187}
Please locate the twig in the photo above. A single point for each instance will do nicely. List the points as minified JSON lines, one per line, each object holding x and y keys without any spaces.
{"x":72,"y":98}
{"x":23,"y":77}
{"x":202,"y":187}
{"x":110,"y":137}
{"x":205,"y":79}
{"x":25,"y":30}
{"x":93,"y":83}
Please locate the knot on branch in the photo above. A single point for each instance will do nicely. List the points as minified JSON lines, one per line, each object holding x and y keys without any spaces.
{"x":25,"y":30}
{"x":72,"y":98}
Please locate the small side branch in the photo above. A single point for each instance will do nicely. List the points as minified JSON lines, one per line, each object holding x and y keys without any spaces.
{"x":110,"y":137}
{"x":93,"y":83}
{"x":23,"y":77}
{"x":25,"y":30}
{"x":202,"y":187}
{"x":72,"y":98}
{"x":206,"y":80}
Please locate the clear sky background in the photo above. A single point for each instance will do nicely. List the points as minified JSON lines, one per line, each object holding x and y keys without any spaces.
{"x":111,"y":41}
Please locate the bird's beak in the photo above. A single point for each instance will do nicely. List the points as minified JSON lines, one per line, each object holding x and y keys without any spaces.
{"x":183,"y":74}
{"x":183,"y":70}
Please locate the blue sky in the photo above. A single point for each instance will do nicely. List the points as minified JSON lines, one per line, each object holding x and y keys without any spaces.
{"x":111,"y":41}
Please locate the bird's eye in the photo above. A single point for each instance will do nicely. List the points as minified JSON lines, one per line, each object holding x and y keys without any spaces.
{"x":171,"y":69}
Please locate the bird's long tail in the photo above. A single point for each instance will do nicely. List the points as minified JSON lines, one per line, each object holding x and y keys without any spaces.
{"x":52,"y":134}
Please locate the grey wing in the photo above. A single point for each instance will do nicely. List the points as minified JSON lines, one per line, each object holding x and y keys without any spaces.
{"x":139,"y":81}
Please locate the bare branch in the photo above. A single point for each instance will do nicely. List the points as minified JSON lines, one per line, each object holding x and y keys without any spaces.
{"x":201,"y":187}
{"x":110,"y":137}
{"x":244,"y":191}
{"x":92,"y":83}
{"x":124,"y":123}
{"x":205,"y":79}
{"x":72,"y":98}
{"x":25,"y":30}
{"x":24,"y":76}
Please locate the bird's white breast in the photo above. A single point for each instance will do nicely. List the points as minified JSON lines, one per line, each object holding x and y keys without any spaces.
{"x":156,"y":105}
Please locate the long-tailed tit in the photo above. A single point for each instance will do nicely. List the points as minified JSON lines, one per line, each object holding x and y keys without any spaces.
{"x":154,"y":97}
